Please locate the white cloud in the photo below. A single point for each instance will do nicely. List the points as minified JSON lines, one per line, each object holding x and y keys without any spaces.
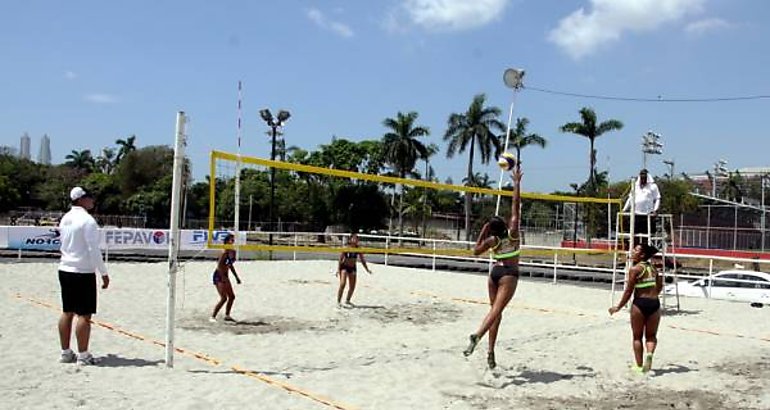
{"x":703,"y":26}
{"x":582,"y":33}
{"x":70,"y":75}
{"x":99,"y":98}
{"x":320,"y":20}
{"x":450,"y":15}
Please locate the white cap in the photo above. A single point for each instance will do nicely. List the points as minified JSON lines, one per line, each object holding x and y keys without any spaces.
{"x":77,"y":193}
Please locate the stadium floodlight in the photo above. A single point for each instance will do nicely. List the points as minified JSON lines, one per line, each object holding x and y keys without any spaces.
{"x":266,"y":115}
{"x":282,"y":117}
{"x":651,"y":145}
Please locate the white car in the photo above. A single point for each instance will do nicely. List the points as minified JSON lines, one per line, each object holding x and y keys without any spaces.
{"x":728,"y":285}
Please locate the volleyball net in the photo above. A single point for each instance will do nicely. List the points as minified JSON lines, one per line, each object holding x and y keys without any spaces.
{"x":297,"y":207}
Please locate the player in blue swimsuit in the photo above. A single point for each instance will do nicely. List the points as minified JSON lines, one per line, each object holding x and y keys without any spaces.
{"x":644,"y":282}
{"x":225,"y":264}
{"x":501,"y":238}
{"x":347,"y":270}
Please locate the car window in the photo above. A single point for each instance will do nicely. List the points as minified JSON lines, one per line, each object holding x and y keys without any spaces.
{"x":724,"y":281}
{"x":743,"y":284}
{"x":764,"y":283}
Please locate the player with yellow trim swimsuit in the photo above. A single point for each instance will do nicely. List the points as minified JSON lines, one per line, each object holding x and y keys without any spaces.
{"x":503,"y":241}
{"x":645,"y":283}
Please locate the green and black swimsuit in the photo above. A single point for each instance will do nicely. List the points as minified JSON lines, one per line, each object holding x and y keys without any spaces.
{"x":647,"y":278}
{"x":506,"y":253}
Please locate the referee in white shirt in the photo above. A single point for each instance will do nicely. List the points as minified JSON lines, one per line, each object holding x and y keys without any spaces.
{"x":646,"y":203}
{"x":80,"y":260}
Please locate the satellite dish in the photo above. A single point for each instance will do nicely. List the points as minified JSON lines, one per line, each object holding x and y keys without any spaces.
{"x":513,"y":78}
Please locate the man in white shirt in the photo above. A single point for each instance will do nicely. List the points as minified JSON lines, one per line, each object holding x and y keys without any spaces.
{"x":80,"y":260}
{"x":646,"y":198}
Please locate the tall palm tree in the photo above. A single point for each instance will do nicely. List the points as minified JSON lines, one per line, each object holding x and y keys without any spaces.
{"x":430,"y":150}
{"x":124,"y":147}
{"x":519,"y":139}
{"x":81,"y":160}
{"x":402,"y":148}
{"x":474,"y":128}
{"x":590,"y":129}
{"x":105,"y":162}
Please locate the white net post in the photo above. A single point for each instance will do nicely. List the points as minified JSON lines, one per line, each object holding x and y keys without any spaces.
{"x":173,"y":236}
{"x":237,"y":209}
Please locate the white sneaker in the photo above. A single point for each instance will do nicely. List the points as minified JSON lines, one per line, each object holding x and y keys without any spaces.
{"x":88,"y":361}
{"x":213,"y":320}
{"x":68,"y":357}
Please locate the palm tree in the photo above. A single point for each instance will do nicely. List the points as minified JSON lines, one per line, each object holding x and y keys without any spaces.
{"x":105,"y":163}
{"x":430,"y":150}
{"x":519,"y":139}
{"x":125,"y":146}
{"x":468,"y":130}
{"x":81,"y":160}
{"x":402,"y":148}
{"x":588,"y":128}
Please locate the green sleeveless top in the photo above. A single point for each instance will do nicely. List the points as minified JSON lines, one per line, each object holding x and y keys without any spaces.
{"x":647,"y":277}
{"x":506,"y":248}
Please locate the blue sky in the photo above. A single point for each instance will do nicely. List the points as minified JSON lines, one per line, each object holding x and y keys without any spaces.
{"x":89,"y":72}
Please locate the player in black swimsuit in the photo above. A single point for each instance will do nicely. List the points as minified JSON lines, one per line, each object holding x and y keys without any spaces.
{"x":347,"y":270}
{"x":502,"y":239}
{"x":225,"y":264}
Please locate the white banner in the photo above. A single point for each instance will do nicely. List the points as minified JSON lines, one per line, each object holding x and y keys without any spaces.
{"x":47,"y":238}
{"x":42,"y":238}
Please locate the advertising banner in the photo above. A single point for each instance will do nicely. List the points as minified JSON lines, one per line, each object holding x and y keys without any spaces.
{"x":196,"y":239}
{"x":134,"y":239}
{"x":47,"y":238}
{"x":42,"y":238}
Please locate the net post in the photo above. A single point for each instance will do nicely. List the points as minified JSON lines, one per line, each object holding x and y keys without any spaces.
{"x":387,"y":246}
{"x":555,"y":265}
{"x":173,"y":235}
{"x":434,"y":255}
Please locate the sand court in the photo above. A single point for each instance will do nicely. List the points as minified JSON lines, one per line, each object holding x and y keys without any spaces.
{"x":399,"y":347}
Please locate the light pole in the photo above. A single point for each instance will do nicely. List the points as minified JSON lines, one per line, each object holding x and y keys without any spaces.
{"x":670,"y":163}
{"x":763,"y":181}
{"x":720,"y":170}
{"x":513,"y":78}
{"x":650,"y":145}
{"x":274,"y":124}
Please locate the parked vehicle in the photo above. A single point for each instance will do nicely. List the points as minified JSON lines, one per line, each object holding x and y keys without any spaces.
{"x":735,"y":284}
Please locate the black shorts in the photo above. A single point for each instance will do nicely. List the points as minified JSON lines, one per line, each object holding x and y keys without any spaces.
{"x":351,"y":270}
{"x":498,"y":271}
{"x":78,"y":292}
{"x":647,"y":306}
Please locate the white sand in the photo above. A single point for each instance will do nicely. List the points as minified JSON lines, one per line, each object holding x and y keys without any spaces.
{"x":400,"y":349}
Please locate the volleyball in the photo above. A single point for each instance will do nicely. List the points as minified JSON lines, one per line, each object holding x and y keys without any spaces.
{"x":507,"y":161}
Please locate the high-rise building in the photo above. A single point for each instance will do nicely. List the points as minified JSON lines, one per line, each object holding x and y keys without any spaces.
{"x":44,"y":157}
{"x":24,"y":147}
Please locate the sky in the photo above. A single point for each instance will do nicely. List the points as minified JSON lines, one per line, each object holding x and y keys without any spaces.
{"x":89,"y":72}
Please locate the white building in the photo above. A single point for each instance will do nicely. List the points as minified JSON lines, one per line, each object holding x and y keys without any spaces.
{"x":44,"y":157}
{"x":24,"y":147}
